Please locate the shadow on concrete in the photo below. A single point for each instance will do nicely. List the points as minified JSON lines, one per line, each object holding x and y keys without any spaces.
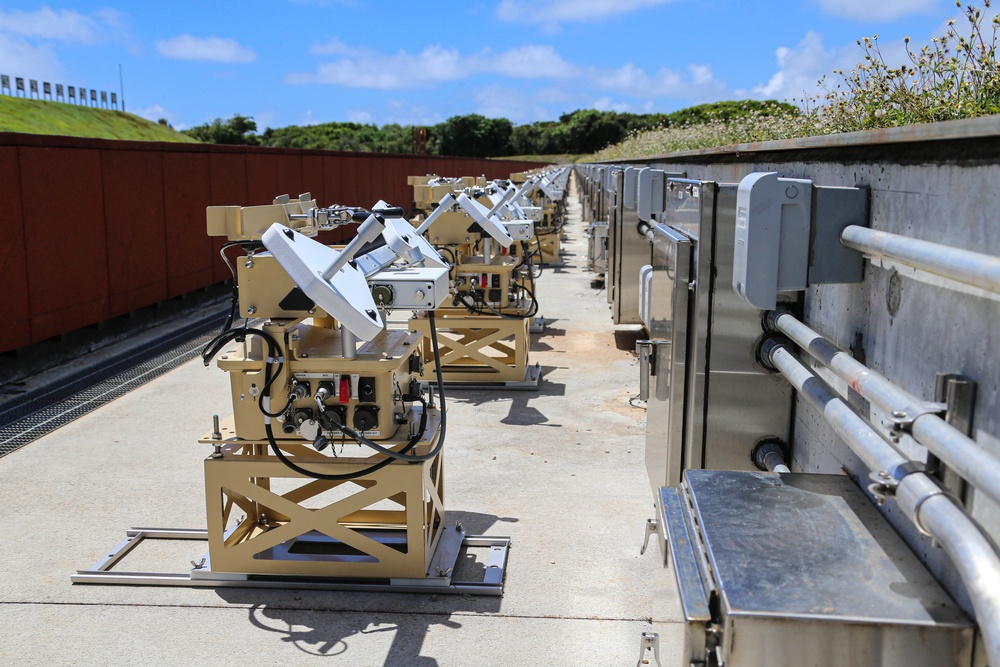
{"x":626,"y":339}
{"x":538,"y":343}
{"x":331,"y":634}
{"x":328,"y":623}
{"x":521,"y":412}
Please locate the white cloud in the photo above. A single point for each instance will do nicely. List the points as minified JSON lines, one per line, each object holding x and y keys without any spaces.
{"x":63,"y":25}
{"x":533,"y":62}
{"x":802,"y":66}
{"x":882,"y":10}
{"x":214,"y":49}
{"x":21,"y":59}
{"x":554,"y":12}
{"x":608,"y":104}
{"x":335,"y":47}
{"x":407,"y":113}
{"x":434,"y":65}
{"x":699,"y":85}
{"x":515,"y":105}
{"x":362,"y":116}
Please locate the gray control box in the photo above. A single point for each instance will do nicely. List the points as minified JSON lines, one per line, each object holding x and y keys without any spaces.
{"x":788,"y":236}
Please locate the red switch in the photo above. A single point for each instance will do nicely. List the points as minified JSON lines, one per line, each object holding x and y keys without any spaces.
{"x":345,"y":390}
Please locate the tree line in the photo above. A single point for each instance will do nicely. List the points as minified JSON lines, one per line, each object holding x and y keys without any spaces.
{"x":581,"y":132}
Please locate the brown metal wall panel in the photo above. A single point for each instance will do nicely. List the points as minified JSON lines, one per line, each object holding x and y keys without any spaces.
{"x":65,"y":239}
{"x":366,"y":191}
{"x":186,"y":193}
{"x":377,"y":165}
{"x":333,"y":180}
{"x":263,"y":182}
{"x":312,"y":178}
{"x":228,"y":179}
{"x":272,"y":174}
{"x":350,"y":176}
{"x":15,"y":326}
{"x":135,"y":227}
{"x":396,"y":172}
{"x":288,"y":169}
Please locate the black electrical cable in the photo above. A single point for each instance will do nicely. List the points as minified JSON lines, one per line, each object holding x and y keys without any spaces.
{"x":475,"y":307}
{"x":215,"y":345}
{"x":533,"y":253}
{"x":234,"y":304}
{"x":450,"y":252}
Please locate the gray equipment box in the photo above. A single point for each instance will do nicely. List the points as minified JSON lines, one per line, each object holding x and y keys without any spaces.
{"x":801,"y":569}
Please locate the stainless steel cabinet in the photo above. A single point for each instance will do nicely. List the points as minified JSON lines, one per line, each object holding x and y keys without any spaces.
{"x":797,"y":569}
{"x":717,"y":402}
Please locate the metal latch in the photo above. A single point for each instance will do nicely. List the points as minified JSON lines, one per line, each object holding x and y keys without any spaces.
{"x":651,"y":527}
{"x":649,"y":642}
{"x":647,"y":366}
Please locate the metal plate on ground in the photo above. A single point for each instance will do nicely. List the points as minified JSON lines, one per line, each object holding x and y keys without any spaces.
{"x":494,"y":569}
{"x":532,"y":378}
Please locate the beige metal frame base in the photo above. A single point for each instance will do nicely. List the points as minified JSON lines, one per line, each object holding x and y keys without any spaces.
{"x":386,"y":524}
{"x":479,"y":350}
{"x":202,"y":576}
{"x":550,"y":244}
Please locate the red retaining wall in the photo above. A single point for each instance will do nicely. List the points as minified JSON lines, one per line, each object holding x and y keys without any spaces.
{"x":91,"y":229}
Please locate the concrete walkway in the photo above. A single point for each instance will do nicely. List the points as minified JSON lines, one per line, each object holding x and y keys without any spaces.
{"x":560,"y":471}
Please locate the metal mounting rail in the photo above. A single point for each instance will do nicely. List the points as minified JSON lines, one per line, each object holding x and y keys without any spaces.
{"x":202,"y":576}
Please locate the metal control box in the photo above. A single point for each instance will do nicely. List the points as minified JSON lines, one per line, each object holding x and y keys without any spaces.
{"x":520,"y":231}
{"x":801,"y":569}
{"x":413,"y":288}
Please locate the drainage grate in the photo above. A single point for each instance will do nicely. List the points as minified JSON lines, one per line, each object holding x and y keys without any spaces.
{"x":33,"y":415}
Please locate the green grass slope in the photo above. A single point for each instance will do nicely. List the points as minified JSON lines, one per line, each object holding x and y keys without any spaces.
{"x":69,"y":120}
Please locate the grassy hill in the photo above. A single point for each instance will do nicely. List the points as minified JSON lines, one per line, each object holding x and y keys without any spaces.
{"x":37,"y":117}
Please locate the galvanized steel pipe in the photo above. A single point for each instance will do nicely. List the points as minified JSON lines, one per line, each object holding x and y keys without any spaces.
{"x":877,"y":454}
{"x":937,"y":515}
{"x":919,"y":497}
{"x":965,"y":266}
{"x":957,"y":450}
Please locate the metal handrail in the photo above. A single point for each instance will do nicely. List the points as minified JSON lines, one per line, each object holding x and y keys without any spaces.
{"x":965,"y":266}
{"x":922,"y":501}
{"x":957,"y":450}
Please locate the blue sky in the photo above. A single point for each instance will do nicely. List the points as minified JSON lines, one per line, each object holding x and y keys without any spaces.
{"x":290,"y":62}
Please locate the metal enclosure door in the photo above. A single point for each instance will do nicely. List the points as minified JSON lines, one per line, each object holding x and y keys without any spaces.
{"x":669,"y":334}
{"x":733,"y":402}
{"x":613,"y":216}
{"x":633,"y":253}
